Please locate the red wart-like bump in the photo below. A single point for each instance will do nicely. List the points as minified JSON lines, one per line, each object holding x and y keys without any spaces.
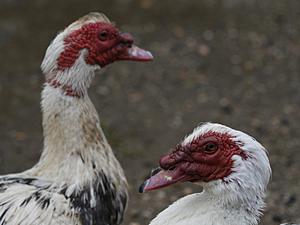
{"x":105,"y":44}
{"x":206,"y":158}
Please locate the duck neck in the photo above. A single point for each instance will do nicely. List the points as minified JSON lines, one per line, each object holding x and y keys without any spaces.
{"x":238,"y":204}
{"x":78,"y":161}
{"x":214,"y":205}
{"x":75,"y":148}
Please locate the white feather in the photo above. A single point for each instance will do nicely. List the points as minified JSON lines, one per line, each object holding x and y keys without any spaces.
{"x":238,"y":200}
{"x":75,"y":151}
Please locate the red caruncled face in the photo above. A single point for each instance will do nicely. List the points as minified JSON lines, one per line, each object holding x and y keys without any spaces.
{"x":105,"y":44}
{"x":207,"y":158}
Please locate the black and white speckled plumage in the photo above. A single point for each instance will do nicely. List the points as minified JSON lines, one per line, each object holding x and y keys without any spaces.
{"x":98,"y":213}
{"x":26,"y":200}
{"x":78,"y":180}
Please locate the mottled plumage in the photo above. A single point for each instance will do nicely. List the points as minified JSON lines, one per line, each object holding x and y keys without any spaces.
{"x":78,"y":180}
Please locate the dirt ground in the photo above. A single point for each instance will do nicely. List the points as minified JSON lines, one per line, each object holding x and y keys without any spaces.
{"x":230,"y":61}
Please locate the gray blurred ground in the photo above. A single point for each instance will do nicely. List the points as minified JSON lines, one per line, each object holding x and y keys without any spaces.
{"x":230,"y":61}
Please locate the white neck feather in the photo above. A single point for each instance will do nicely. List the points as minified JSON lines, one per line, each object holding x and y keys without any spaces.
{"x":78,"y":77}
{"x":75,"y":147}
{"x":209,"y":208}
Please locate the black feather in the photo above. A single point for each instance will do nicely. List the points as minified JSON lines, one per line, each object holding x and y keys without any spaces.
{"x":109,"y":206}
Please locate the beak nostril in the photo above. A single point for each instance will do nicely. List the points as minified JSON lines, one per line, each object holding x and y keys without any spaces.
{"x":127,"y":43}
{"x":127,"y":40}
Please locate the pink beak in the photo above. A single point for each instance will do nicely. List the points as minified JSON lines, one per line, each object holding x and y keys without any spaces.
{"x":163,"y":178}
{"x":133,"y":52}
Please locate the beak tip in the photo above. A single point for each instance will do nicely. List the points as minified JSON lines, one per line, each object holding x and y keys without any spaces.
{"x":151,"y":57}
{"x":142,"y":188}
{"x":138,"y":54}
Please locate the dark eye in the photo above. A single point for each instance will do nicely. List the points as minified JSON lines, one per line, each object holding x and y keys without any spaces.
{"x":210,"y":147}
{"x":103,"y":35}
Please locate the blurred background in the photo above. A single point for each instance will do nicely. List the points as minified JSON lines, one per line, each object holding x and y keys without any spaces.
{"x":230,"y":61}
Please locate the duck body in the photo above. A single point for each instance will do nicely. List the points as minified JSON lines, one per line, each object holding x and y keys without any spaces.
{"x":78,"y":176}
{"x":189,"y":211}
{"x":78,"y":180}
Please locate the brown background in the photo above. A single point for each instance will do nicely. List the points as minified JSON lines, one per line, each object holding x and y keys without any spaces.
{"x":230,"y":61}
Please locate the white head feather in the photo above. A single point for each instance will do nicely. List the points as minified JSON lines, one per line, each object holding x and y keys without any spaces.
{"x":236,"y":199}
{"x":49,"y":64}
{"x":84,"y":72}
{"x":249,"y":178}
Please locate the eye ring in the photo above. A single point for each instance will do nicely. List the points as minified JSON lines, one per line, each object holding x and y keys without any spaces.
{"x":103,"y":35}
{"x":210,"y":147}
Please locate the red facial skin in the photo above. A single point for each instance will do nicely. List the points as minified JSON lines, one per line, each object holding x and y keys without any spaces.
{"x":207,"y":158}
{"x":104,"y":42}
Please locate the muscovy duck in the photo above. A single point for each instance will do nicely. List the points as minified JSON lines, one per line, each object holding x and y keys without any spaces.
{"x":230,"y":166}
{"x":78,"y":180}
